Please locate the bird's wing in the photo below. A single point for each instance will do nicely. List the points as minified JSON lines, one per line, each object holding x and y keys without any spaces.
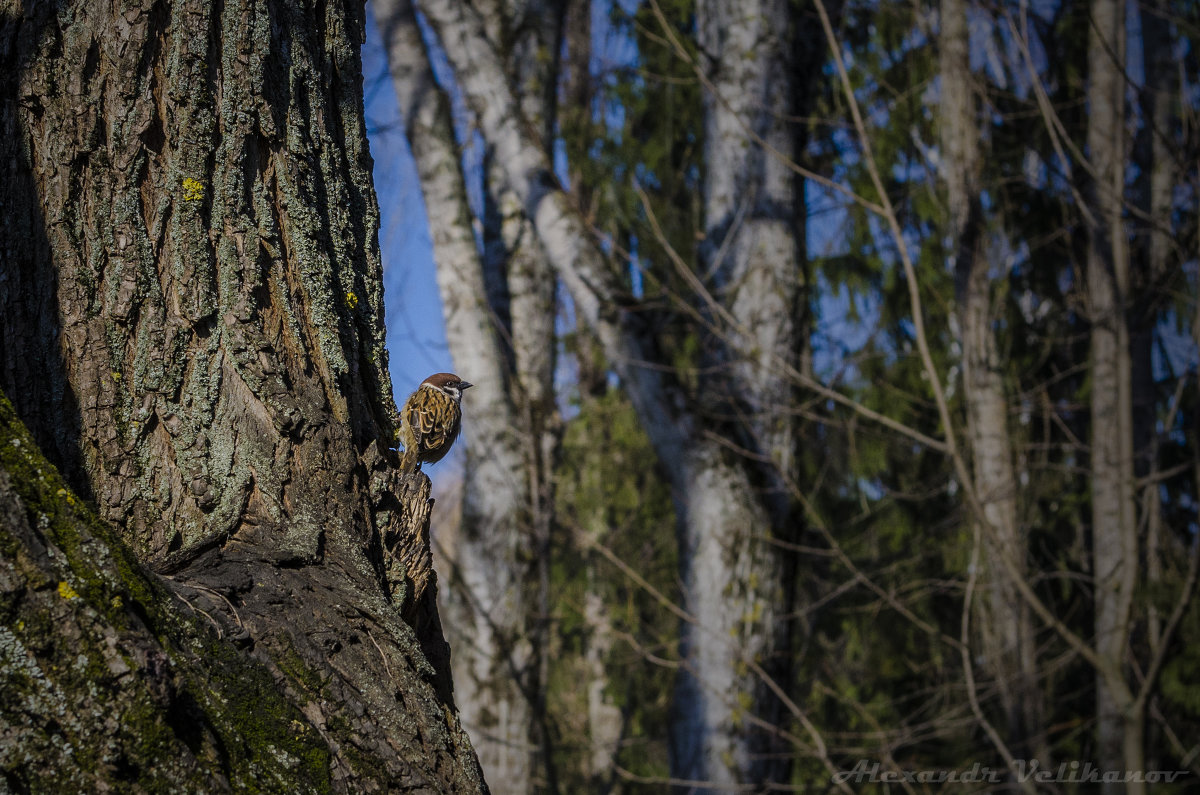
{"x":422,"y":418}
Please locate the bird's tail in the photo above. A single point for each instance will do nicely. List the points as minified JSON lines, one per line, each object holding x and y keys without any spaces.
{"x":408,"y":462}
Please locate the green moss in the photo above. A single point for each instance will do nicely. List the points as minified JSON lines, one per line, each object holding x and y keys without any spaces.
{"x":266,"y":735}
{"x":291,"y":664}
{"x":265,"y":743}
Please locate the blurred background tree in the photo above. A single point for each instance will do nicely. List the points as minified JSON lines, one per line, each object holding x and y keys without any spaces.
{"x":843,"y":383}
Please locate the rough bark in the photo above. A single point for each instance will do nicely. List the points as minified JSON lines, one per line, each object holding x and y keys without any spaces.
{"x":1003,"y":623}
{"x":107,"y":681}
{"x":111,"y":680}
{"x":192,"y":329}
{"x":1114,"y":528}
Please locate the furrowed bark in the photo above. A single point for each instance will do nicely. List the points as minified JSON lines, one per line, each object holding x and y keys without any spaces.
{"x":192,"y":329}
{"x":107,"y":680}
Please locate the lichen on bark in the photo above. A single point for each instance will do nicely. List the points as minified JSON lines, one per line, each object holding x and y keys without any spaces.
{"x":108,"y":681}
{"x":188,"y":209}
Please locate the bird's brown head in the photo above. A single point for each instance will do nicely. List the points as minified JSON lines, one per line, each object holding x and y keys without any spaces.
{"x":449,"y":383}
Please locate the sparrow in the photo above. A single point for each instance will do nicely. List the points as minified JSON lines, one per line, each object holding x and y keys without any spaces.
{"x":430,"y":420}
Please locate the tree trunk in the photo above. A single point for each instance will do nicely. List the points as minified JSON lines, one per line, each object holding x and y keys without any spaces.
{"x":723,"y":522}
{"x":750,"y":207}
{"x":499,"y":311}
{"x":485,"y":601}
{"x":733,"y":576}
{"x":730,"y":573}
{"x":106,"y":681}
{"x":1156,"y":178}
{"x":1003,"y":622}
{"x":1114,"y":528}
{"x":192,"y":329}
{"x":528,"y":33}
{"x":605,"y":720}
{"x":732,"y":590}
{"x":1157,"y":172}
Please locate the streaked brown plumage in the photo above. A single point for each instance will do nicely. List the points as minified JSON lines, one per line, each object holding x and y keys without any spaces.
{"x":430,"y":420}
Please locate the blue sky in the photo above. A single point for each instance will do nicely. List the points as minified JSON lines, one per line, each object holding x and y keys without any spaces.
{"x":416,"y":337}
{"x":415,"y":329}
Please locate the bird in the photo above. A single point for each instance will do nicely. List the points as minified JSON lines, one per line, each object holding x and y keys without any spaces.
{"x":430,"y":420}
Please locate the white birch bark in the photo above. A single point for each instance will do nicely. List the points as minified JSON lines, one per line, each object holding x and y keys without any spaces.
{"x":749,"y":202}
{"x":724,"y":526}
{"x":569,"y":247}
{"x":530,"y":30}
{"x":485,"y":604}
{"x":1114,"y":527}
{"x":1004,"y":624}
{"x":731,"y":573}
{"x":733,"y":591}
{"x":605,"y":721}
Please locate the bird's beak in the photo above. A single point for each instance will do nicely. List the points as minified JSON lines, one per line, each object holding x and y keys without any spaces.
{"x":465,"y":385}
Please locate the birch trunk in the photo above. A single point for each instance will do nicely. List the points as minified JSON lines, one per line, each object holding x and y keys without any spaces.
{"x":192,"y":327}
{"x":532,"y":290}
{"x":1157,"y":170}
{"x":605,"y":720}
{"x":515,"y":259}
{"x":732,"y":590}
{"x":722,"y":521}
{"x":486,"y":603}
{"x":527,"y":31}
{"x":1114,"y":528}
{"x":1003,"y":622}
{"x":733,"y":577}
{"x":750,"y":206}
